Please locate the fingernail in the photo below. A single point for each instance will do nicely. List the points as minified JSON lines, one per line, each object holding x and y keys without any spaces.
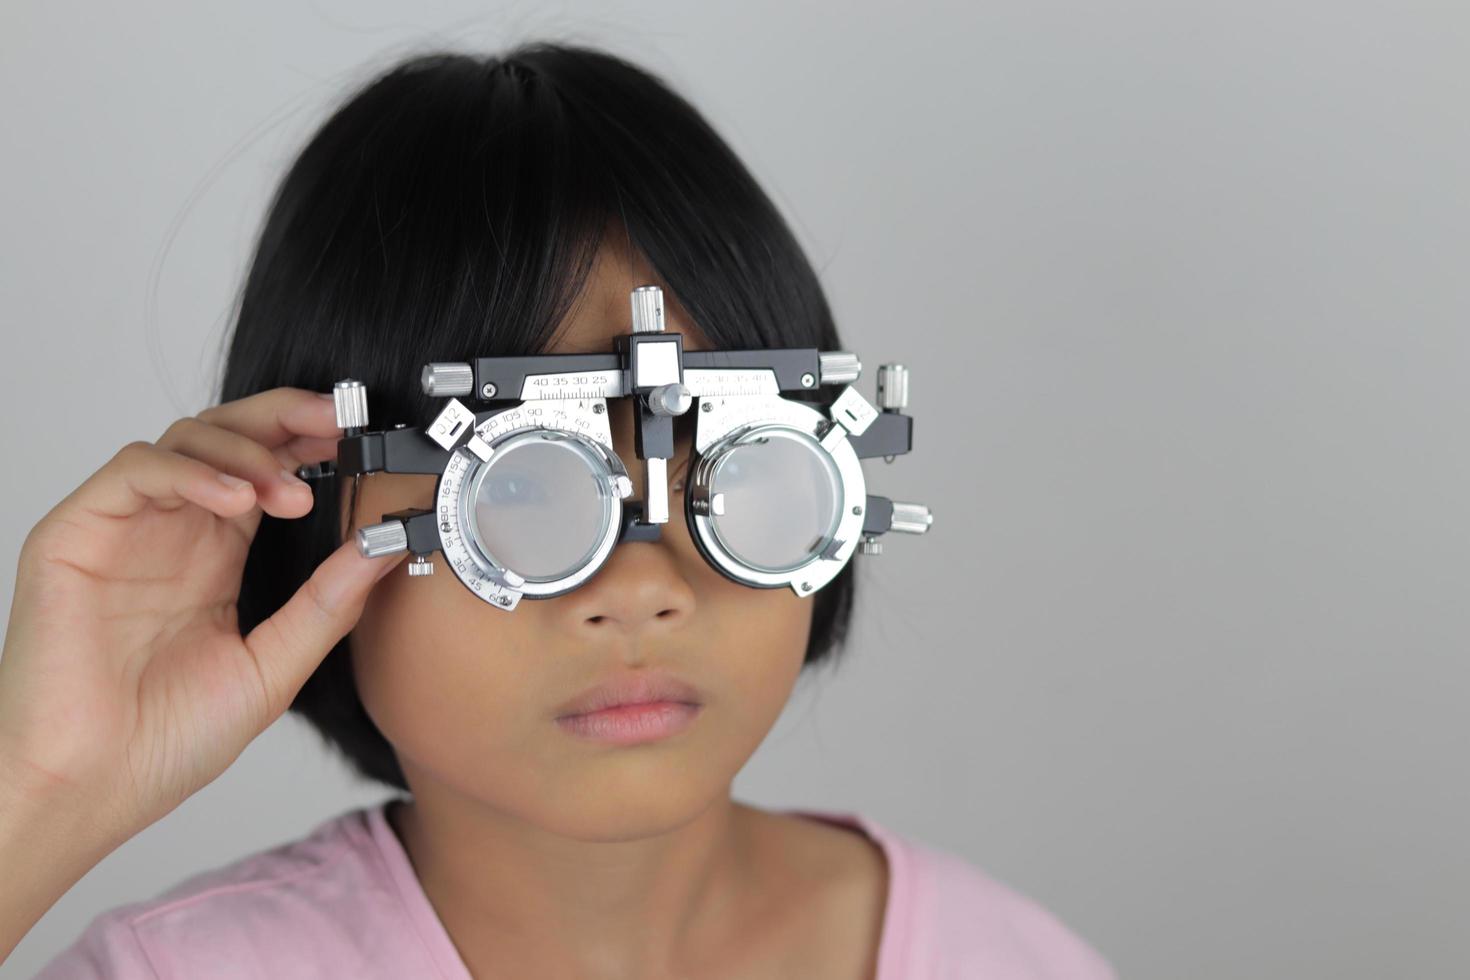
{"x":292,"y":480}
{"x":327,"y":395}
{"x":336,"y":589}
{"x":232,"y":481}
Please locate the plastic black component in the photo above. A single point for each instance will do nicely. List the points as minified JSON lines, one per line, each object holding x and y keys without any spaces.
{"x":877,"y":515}
{"x":390,"y":451}
{"x":422,"y":528}
{"x":890,"y":434}
{"x":634,"y":528}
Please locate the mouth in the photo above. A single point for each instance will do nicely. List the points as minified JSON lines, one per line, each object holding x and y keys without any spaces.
{"x":632,"y":724}
{"x":631,"y":708}
{"x":630,"y":689}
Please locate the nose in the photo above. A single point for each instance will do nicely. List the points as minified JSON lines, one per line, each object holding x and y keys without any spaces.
{"x":639,"y":591}
{"x":641,"y":586}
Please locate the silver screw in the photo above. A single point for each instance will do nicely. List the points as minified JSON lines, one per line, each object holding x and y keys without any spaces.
{"x":806,"y":586}
{"x":857,"y":510}
{"x":807,"y":380}
{"x":487,"y":390}
{"x":706,"y":406}
{"x":598,"y":409}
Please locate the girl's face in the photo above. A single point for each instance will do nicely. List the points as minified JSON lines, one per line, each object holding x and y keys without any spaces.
{"x":468,"y":694}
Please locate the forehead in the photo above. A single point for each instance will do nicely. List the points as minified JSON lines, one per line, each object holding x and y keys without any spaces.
{"x":603,"y":309}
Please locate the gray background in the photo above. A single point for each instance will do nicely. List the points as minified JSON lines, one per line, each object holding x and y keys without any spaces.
{"x":1183,"y":290}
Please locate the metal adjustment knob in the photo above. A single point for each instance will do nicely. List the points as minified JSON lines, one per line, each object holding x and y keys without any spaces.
{"x":420,"y":565}
{"x":893,"y":387}
{"x":839,"y":367}
{"x":870,"y":545}
{"x":377,"y":540}
{"x":349,"y":397}
{"x":447,"y":380}
{"x":910,"y":518}
{"x":673,"y":399}
{"x":648,"y":309}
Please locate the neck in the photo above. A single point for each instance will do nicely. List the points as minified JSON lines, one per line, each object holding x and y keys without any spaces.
{"x":520,"y":899}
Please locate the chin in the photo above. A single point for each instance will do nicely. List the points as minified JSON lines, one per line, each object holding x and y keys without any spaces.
{"x":607,"y":812}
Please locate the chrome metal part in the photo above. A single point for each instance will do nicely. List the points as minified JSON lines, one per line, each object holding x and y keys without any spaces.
{"x":349,"y":397}
{"x":447,"y":379}
{"x":648,"y":309}
{"x":839,"y":367}
{"x":376,"y":540}
{"x":853,"y":411}
{"x":893,"y":387}
{"x":670,"y":399}
{"x":910,"y":518}
{"x":452,"y":424}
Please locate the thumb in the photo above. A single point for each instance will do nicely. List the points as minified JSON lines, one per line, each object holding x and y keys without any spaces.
{"x":289,"y":645}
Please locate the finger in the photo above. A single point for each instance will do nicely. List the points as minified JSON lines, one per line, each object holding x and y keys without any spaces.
{"x":274,"y":417}
{"x":307,"y":449}
{"x":278,"y":490}
{"x":141,"y":473}
{"x":289,"y":645}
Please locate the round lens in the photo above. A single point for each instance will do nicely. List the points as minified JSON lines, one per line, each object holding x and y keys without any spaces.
{"x":782,"y":495}
{"x":541,"y":506}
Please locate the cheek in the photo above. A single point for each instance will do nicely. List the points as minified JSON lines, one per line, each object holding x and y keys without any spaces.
{"x":450,"y":682}
{"x":756,"y":642}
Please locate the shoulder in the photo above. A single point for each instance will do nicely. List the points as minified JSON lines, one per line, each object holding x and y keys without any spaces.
{"x":302,"y":904}
{"x":945,"y":916}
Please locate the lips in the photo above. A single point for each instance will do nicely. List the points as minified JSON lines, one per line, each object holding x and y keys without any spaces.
{"x":642,"y":687}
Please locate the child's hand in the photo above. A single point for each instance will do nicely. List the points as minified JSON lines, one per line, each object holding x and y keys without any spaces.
{"x":125,"y":685}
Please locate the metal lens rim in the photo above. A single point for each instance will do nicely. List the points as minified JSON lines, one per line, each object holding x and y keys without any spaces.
{"x":816,"y":573}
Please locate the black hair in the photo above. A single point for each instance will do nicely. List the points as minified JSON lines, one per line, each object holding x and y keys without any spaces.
{"x":451,"y":207}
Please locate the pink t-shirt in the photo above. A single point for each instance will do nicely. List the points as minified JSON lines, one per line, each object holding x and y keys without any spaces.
{"x":344,"y":902}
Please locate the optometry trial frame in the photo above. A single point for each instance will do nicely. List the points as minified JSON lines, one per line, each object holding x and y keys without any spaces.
{"x":530,"y":500}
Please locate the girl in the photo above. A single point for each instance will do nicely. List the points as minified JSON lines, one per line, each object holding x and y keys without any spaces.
{"x":192,"y":590}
